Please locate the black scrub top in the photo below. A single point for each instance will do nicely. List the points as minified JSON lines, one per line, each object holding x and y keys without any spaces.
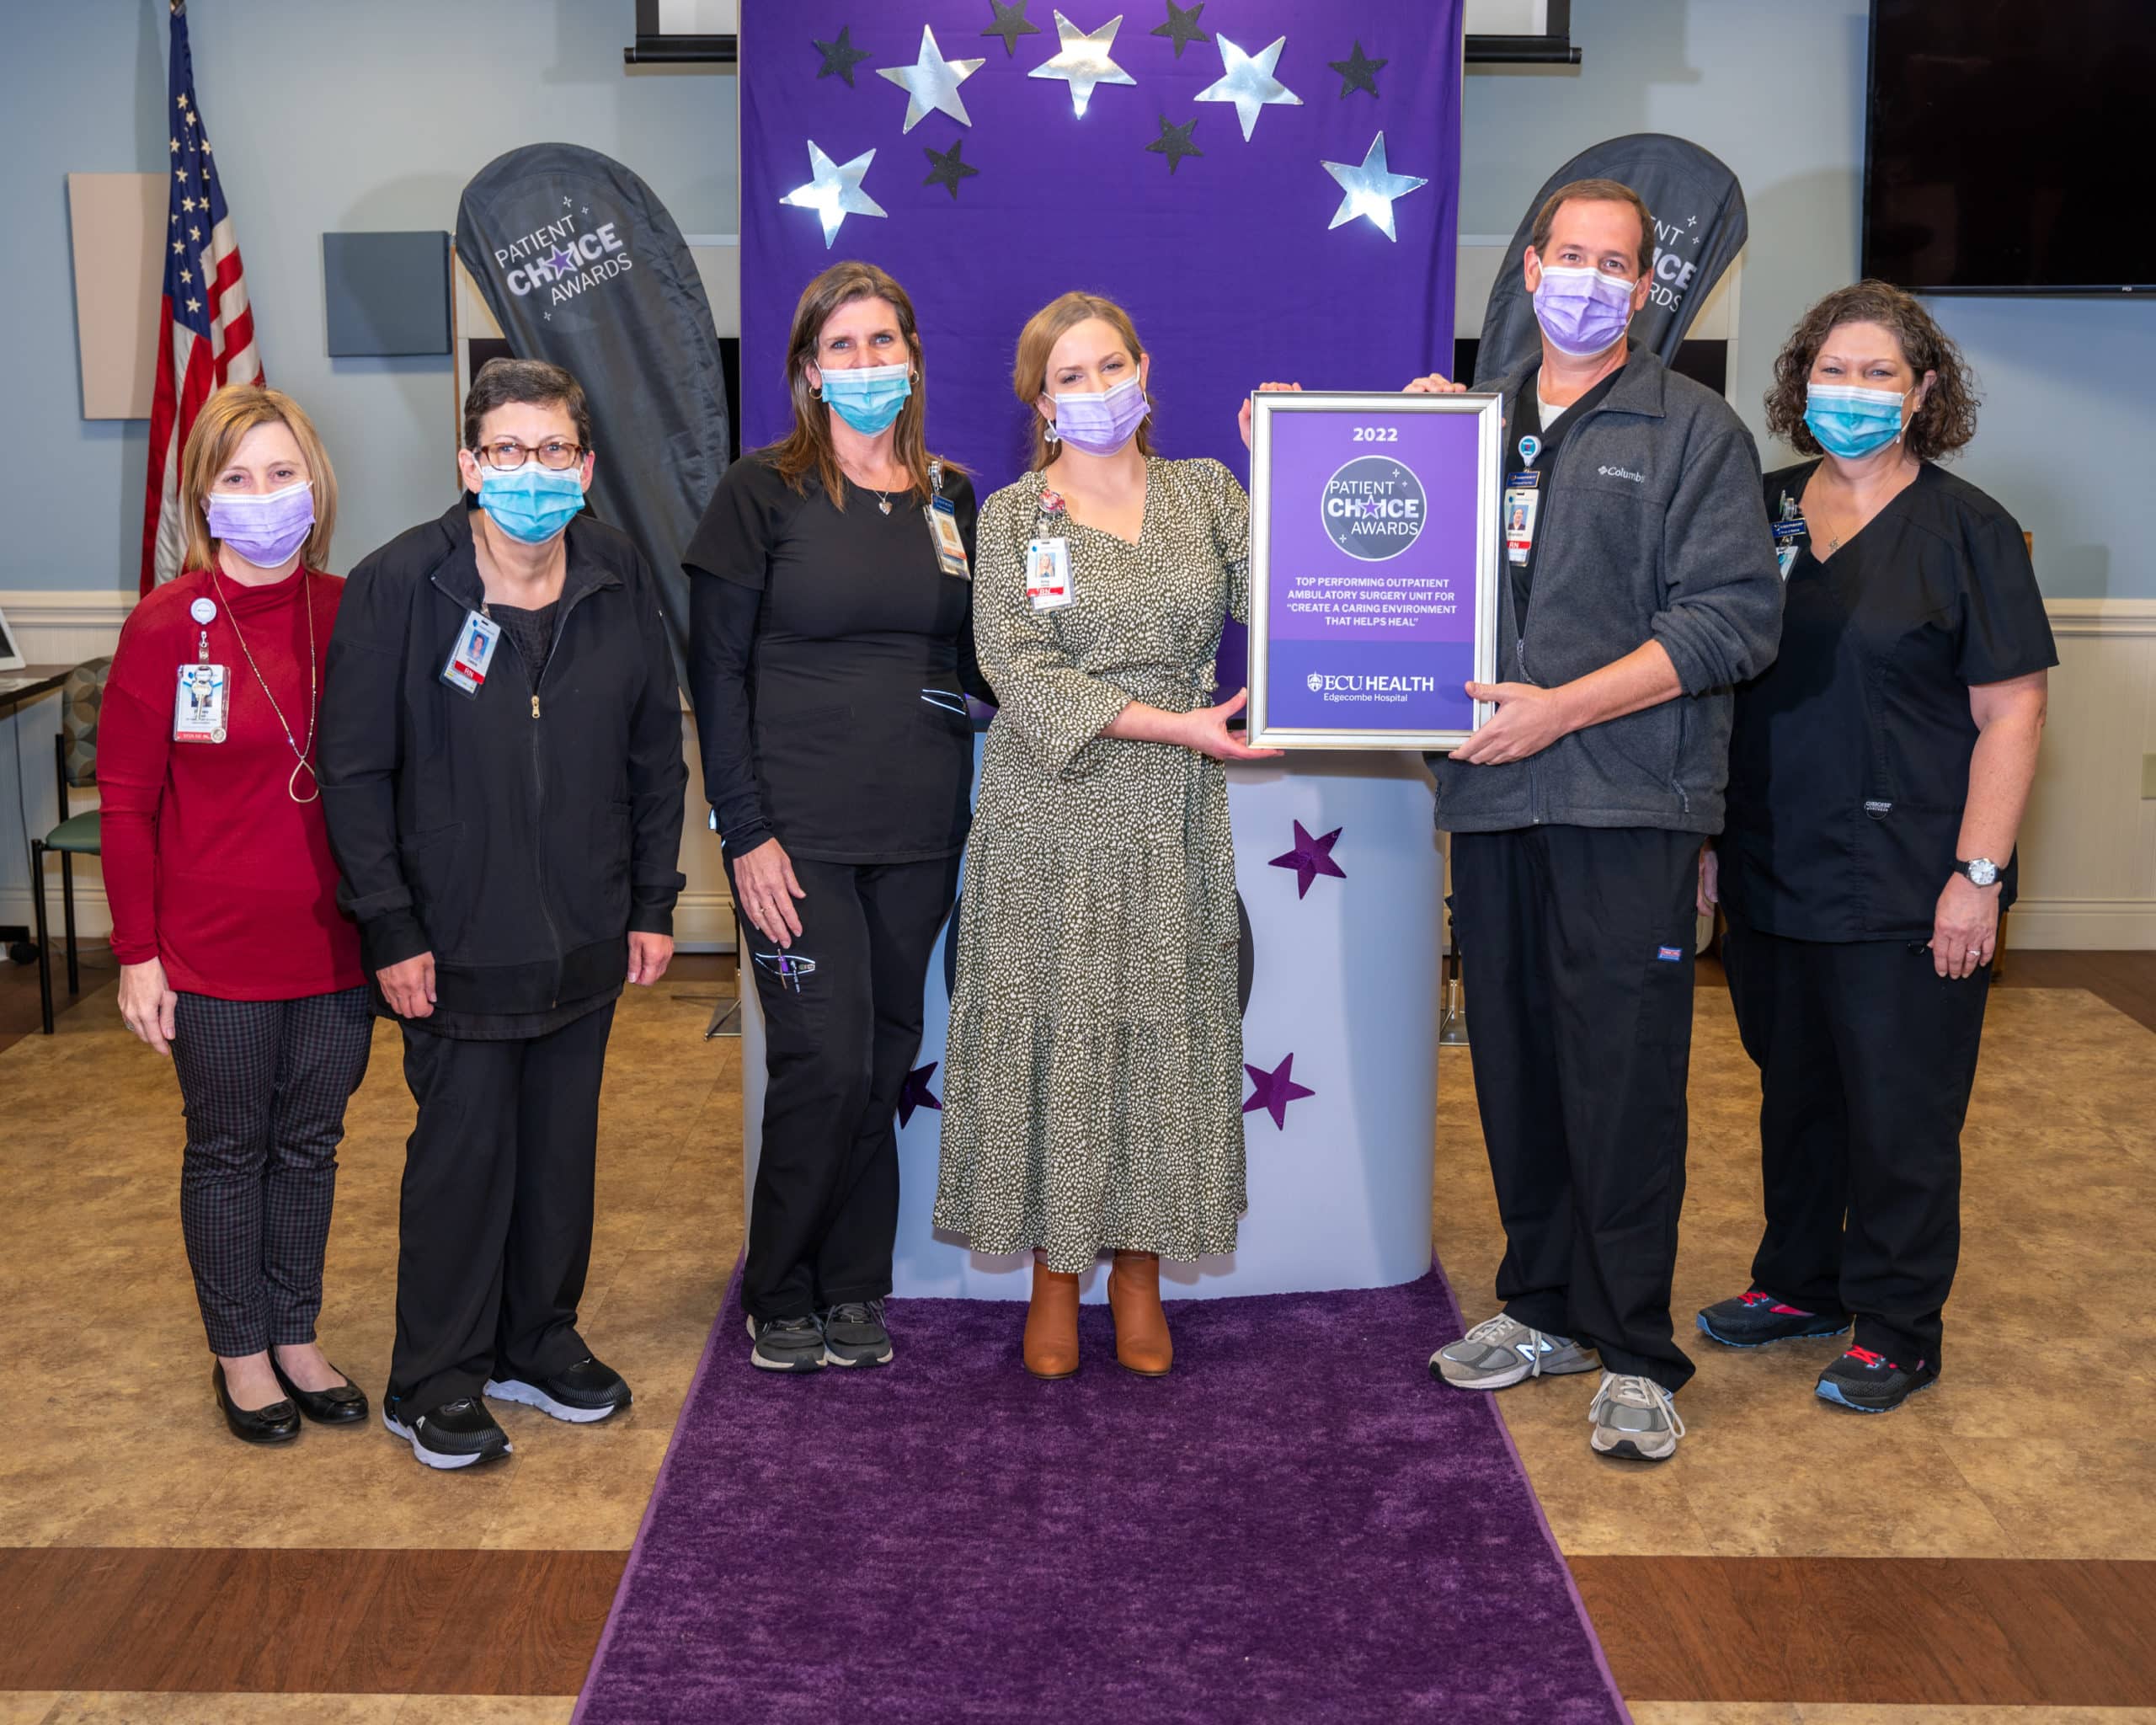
{"x":829,"y":653}
{"x":1849,"y":763}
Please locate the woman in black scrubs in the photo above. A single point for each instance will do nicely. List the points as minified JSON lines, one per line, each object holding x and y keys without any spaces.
{"x":830,"y":653}
{"x":1877,"y":776}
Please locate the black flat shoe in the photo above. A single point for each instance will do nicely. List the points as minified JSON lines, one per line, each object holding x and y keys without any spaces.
{"x":277,"y":1423}
{"x":341,"y":1404}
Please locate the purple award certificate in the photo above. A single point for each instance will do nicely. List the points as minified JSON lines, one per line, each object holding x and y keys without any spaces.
{"x":1374,"y":568}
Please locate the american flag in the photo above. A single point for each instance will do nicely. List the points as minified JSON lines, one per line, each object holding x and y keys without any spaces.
{"x":206,"y":337}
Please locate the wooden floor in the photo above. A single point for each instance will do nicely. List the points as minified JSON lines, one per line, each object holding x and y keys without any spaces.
{"x":91,"y":1630}
{"x":1878,"y":1632}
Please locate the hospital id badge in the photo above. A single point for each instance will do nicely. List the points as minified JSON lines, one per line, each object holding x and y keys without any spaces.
{"x":1523,"y":502}
{"x":943,"y":534}
{"x":1047,"y":573}
{"x":1790,"y":536}
{"x":472,"y":654}
{"x":201,"y":708}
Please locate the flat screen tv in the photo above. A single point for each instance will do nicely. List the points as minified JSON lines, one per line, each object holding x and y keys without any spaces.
{"x":2001,"y":138}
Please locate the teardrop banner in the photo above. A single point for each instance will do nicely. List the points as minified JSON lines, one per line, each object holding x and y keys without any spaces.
{"x":581,"y":265}
{"x":1699,"y":226}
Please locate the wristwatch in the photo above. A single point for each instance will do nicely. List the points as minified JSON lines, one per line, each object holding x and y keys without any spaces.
{"x":1980,"y":871}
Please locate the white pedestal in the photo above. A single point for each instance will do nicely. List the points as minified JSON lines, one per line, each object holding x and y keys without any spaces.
{"x":1345,"y":979}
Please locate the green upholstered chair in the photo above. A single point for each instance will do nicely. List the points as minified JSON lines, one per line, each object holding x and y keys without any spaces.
{"x":75,"y":756}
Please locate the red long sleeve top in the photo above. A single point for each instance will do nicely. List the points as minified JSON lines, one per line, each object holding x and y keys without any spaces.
{"x":209,"y":864}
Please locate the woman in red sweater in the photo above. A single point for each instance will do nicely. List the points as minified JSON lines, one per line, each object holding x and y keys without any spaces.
{"x":233,"y":958}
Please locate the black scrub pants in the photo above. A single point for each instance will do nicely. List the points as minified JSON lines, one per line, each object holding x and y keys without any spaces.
{"x":840,"y":1037}
{"x":495,"y":1224}
{"x":1575,"y":946}
{"x":1866,"y":1056}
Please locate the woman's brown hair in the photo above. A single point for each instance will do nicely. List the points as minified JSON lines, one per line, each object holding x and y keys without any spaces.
{"x":1036,"y":341}
{"x":808,"y":448}
{"x":225,"y":418}
{"x":1947,"y":418}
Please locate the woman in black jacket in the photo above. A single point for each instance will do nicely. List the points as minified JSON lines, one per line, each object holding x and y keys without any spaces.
{"x":502,"y":773}
{"x":830,"y":653}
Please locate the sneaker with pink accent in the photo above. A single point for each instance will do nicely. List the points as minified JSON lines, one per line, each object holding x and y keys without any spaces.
{"x":1754,"y":1319}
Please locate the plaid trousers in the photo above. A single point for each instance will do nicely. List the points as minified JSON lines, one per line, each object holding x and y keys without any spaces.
{"x":265,"y":1083}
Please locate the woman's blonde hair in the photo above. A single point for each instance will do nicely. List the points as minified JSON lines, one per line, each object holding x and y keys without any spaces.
{"x":807,"y":447}
{"x":225,"y":418}
{"x":1036,"y":341}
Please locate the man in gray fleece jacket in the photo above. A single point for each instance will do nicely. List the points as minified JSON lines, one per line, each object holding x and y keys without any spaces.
{"x":1640,"y":585}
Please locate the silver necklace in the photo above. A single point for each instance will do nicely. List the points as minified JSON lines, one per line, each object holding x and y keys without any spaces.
{"x":313,"y":689}
{"x":883,"y":498}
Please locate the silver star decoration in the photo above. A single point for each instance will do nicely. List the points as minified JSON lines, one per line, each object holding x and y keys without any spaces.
{"x":1248,"y":82}
{"x":931,"y":83}
{"x":1082,"y":59}
{"x":1369,"y":190}
{"x":833,"y":190}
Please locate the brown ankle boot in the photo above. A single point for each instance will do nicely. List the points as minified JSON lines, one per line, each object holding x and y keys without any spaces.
{"x":1052,"y":1324}
{"x":1142,"y":1344}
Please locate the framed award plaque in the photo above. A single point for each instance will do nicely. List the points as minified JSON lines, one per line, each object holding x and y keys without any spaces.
{"x":1375,"y":550}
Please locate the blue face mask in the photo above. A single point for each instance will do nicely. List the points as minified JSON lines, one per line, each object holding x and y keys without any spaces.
{"x":869,"y":397}
{"x":1850,"y":422}
{"x":531,"y":504}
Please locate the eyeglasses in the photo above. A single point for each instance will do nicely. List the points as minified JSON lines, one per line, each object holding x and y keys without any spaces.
{"x":508,"y":454}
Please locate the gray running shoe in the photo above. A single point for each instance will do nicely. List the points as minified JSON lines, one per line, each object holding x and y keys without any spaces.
{"x":854,"y":1334}
{"x":787,"y":1345}
{"x":1498,"y":1352}
{"x":1634,"y":1418}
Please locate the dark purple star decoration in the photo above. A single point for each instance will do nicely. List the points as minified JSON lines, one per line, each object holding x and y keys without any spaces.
{"x":915,"y":1093}
{"x":561,"y":263}
{"x":1311,"y":858}
{"x":1273,"y":1091}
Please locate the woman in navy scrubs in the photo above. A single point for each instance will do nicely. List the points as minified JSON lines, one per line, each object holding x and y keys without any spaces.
{"x":1878,"y":773}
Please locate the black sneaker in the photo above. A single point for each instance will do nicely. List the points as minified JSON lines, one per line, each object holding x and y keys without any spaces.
{"x":787,"y":1345}
{"x":583,"y":1394}
{"x":455,"y":1435}
{"x":1753,"y":1320}
{"x":1871,"y":1383}
{"x":854,"y":1334}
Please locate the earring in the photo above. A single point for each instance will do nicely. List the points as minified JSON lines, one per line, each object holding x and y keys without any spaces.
{"x":1049,"y":433}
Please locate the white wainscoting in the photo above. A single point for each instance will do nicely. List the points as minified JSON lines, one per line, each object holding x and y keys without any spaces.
{"x":66,"y":628}
{"x":2088,"y":842}
{"x":2088,"y":846}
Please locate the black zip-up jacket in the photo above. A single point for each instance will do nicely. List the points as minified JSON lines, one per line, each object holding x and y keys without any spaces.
{"x":519,"y":835}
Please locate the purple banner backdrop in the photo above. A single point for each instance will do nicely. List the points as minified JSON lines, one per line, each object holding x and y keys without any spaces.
{"x":1372,"y":596}
{"x":1242,"y":255}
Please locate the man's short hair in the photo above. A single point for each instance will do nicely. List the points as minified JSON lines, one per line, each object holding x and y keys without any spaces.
{"x":504,"y":383}
{"x":1594,"y":191}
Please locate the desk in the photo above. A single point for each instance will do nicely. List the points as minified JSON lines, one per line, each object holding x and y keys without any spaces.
{"x":17,"y":688}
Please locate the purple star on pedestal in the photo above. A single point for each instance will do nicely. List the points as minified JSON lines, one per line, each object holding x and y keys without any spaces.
{"x":1311,"y":858}
{"x":915,"y":1093}
{"x":1273,"y":1091}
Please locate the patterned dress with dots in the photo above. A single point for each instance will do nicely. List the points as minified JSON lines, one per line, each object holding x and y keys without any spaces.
{"x":1094,"y":1078}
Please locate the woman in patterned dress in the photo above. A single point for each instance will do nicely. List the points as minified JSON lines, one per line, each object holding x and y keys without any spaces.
{"x":1094,"y":1064}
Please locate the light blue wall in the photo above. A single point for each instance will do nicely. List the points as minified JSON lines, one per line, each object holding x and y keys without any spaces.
{"x":326,"y":117}
{"x":1775,"y":87}
{"x":330,"y":116}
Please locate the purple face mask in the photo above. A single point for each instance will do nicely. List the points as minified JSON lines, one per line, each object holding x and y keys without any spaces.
{"x":1100,"y":423}
{"x":1583,"y":312}
{"x":265,"y":529}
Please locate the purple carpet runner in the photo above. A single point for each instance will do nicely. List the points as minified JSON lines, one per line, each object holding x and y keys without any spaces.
{"x":1297,"y":1524}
